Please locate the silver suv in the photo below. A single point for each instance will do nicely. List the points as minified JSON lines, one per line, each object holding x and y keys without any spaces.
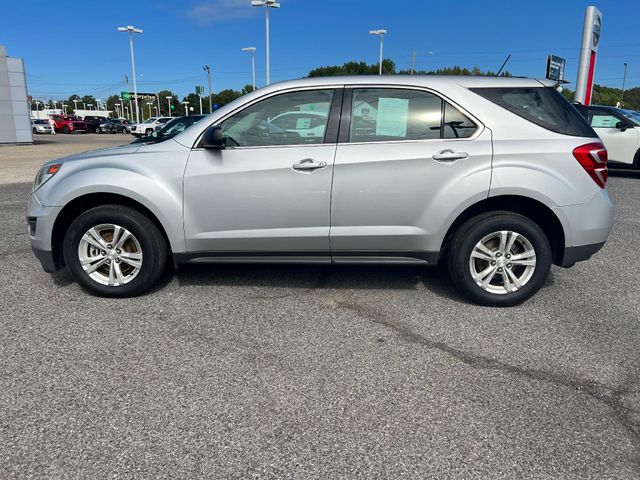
{"x":497,"y":178}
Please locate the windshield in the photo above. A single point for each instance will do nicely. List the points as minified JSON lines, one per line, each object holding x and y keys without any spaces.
{"x":149,"y":120}
{"x":174,"y":127}
{"x":631,"y":115}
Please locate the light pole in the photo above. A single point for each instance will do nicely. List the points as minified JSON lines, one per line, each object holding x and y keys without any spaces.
{"x":253,"y":63}
{"x":89,"y":105}
{"x":121,"y":107}
{"x":64,"y":108}
{"x":131,"y":31}
{"x":382,"y":32}
{"x":149,"y":103}
{"x":37,"y":108}
{"x":207,"y":69}
{"x":624,"y":80}
{"x":158,"y":107}
{"x":413,"y":59}
{"x":169,"y":102}
{"x":186,"y":107}
{"x":267,"y":4}
{"x":75,"y":104}
{"x":84,"y":105}
{"x":157,"y":111}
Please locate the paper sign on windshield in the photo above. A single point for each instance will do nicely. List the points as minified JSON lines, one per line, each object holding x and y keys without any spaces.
{"x":392,"y":117}
{"x":303,"y":123}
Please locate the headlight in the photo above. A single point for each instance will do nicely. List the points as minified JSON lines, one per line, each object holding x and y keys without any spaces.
{"x":45,"y":174}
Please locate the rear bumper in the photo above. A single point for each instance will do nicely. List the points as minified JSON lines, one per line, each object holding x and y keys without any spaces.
{"x":586,"y":227}
{"x":573,"y":255}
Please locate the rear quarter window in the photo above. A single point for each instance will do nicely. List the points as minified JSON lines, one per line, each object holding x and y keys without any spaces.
{"x":543,"y":106}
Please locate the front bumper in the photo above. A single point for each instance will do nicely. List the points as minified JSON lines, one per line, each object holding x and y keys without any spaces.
{"x":40,"y":228}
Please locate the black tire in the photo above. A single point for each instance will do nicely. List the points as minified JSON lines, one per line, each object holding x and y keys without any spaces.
{"x":35,"y":131}
{"x":65,"y":129}
{"x":148,"y":132}
{"x":472,"y":232}
{"x":98,"y":130}
{"x":151,"y":240}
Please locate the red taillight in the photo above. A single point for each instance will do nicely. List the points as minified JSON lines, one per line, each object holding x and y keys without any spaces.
{"x":593,"y":158}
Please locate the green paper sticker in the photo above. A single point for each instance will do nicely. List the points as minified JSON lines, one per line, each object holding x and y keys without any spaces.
{"x":392,"y":117}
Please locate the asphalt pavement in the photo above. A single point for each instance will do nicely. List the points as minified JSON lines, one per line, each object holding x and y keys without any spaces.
{"x":320,"y":371}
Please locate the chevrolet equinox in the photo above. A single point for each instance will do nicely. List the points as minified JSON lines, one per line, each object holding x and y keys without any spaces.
{"x":496,"y":178}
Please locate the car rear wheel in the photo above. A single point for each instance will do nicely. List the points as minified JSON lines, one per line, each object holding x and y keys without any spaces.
{"x":98,"y":131}
{"x":35,"y":131}
{"x":65,"y":129}
{"x":148,"y":132}
{"x":114,"y":251}
{"x":499,"y":259}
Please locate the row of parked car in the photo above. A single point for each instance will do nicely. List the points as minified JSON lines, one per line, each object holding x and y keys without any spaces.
{"x":89,"y":124}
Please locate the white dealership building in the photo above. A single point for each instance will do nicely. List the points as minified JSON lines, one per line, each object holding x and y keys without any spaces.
{"x":15,"y":122}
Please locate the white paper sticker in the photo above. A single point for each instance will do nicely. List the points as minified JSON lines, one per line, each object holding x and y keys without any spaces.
{"x":391,"y":120}
{"x":303,"y":123}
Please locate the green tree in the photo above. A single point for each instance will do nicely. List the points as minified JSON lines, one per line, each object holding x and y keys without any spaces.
{"x":164,"y":106}
{"x":354,"y":68}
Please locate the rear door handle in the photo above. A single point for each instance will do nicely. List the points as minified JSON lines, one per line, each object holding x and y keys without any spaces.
{"x":449,"y":155}
{"x":309,"y":164}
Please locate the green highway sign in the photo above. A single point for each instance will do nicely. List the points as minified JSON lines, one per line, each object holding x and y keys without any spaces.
{"x":126,"y":96}
{"x":199,"y":89}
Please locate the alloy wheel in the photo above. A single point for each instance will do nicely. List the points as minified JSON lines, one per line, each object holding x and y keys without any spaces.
{"x":110,"y":254}
{"x":502,"y":262}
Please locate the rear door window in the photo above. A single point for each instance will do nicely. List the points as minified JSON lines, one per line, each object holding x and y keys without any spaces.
{"x":543,"y":106}
{"x":388,"y":114}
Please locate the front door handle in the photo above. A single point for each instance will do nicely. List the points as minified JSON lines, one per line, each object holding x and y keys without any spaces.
{"x":309,"y":164}
{"x":449,"y":155}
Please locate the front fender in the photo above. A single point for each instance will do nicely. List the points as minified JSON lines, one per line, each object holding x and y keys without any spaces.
{"x":157,"y":187}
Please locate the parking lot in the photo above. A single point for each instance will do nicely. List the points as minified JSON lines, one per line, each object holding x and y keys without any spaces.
{"x":279,"y":371}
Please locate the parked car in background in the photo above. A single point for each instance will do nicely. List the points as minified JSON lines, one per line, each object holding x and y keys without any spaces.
{"x":93,"y":122}
{"x":122,"y":124}
{"x":67,"y":124}
{"x":148,"y":126}
{"x":107,"y":126}
{"x":619,"y":130}
{"x":41,"y":126}
{"x":170,"y":129}
{"x":497,"y":178}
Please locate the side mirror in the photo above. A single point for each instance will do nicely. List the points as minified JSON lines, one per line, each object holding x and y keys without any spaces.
{"x":622,"y":126}
{"x":212,"y":138}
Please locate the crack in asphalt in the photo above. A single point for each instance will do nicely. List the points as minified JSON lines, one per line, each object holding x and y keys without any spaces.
{"x":609,"y":396}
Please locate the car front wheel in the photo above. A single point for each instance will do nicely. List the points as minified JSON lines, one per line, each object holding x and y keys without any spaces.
{"x":114,"y":251}
{"x":499,"y":259}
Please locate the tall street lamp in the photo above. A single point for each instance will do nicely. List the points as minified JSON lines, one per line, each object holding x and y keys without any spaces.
{"x":75,"y":104}
{"x":253,"y":63}
{"x":207,"y":69}
{"x":131,"y":31}
{"x":121,"y":107}
{"x":149,"y":103}
{"x":624,"y":80}
{"x":169,"y":102}
{"x":382,"y":33}
{"x":186,"y":107}
{"x":413,"y":59}
{"x":267,"y":4}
